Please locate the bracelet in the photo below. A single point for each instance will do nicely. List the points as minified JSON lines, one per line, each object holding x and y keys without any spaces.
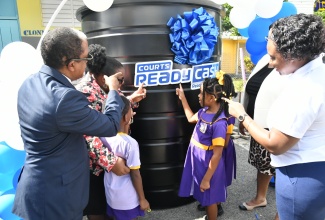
{"x":249,"y":123}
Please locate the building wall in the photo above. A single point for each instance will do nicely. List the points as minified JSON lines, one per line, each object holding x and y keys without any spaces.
{"x":230,"y":58}
{"x":9,"y":23}
{"x":35,"y":14}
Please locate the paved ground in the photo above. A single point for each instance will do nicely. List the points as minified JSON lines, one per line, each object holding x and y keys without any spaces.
{"x":242,"y":189}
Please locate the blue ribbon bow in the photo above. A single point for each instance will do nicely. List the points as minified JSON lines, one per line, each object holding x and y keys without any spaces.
{"x":193,"y":37}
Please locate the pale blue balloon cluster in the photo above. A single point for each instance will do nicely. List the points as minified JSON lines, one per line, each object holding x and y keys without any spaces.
{"x":258,"y":30}
{"x":193,"y":36}
{"x":11,"y":162}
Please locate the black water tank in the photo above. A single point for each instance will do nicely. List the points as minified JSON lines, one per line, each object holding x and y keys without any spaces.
{"x":136,"y":31}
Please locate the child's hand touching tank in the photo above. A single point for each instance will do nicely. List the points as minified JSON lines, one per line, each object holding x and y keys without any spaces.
{"x":180,"y":92}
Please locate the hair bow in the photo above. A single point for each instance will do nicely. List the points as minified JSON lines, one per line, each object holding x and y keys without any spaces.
{"x":219,"y":76}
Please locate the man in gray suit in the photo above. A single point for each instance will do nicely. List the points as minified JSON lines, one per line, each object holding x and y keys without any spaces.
{"x":53,"y":118}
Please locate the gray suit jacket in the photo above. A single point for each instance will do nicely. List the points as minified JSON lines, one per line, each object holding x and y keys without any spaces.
{"x":53,"y":118}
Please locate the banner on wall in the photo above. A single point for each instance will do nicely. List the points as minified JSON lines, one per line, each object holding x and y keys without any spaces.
{"x":319,"y":5}
{"x":162,"y":73}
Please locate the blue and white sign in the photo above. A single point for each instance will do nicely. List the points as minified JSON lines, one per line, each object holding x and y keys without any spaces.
{"x":161,"y":73}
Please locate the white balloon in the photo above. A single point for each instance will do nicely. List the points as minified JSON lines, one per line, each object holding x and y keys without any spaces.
{"x":268,"y":8}
{"x":18,"y":60}
{"x":231,"y":2}
{"x":219,"y":2}
{"x":98,"y":5}
{"x":244,"y":3}
{"x":241,"y":17}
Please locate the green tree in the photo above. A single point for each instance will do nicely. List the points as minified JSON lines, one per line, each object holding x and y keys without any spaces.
{"x":321,"y":14}
{"x":226,"y":24}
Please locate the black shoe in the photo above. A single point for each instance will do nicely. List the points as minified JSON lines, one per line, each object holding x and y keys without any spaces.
{"x":202,"y":208}
{"x":220,"y":210}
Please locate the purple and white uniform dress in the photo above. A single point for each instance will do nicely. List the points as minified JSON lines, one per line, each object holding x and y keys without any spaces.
{"x":121,"y":196}
{"x":205,"y":135}
{"x":229,"y":153}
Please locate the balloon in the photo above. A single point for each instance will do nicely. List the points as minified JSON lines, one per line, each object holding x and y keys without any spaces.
{"x":268,"y":8}
{"x":10,"y":159}
{"x":6,"y":181}
{"x":241,"y":17}
{"x":255,"y":48}
{"x":243,"y":32}
{"x":15,"y":178}
{"x":219,"y":2}
{"x":98,"y":5}
{"x":9,"y":191}
{"x":256,"y":58}
{"x":232,"y":3}
{"x":242,"y":3}
{"x":259,"y":29}
{"x":18,"y":60}
{"x":6,"y":203}
{"x":287,"y":9}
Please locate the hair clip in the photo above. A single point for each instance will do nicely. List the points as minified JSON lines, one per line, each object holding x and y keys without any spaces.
{"x":219,"y":76}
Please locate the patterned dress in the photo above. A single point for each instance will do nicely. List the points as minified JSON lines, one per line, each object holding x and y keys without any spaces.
{"x":199,"y":153}
{"x":100,"y":157}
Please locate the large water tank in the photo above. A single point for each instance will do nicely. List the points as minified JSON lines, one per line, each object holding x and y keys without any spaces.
{"x":135,"y":31}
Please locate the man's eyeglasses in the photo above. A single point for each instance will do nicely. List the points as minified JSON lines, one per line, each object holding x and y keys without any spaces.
{"x":267,"y":38}
{"x":90,"y":57}
{"x":121,"y":80}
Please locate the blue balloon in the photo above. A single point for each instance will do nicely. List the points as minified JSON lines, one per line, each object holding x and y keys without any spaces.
{"x":255,"y":48}
{"x":259,"y":29}
{"x":10,"y":159}
{"x":256,"y":58}
{"x":15,"y":178}
{"x":9,"y":191}
{"x":287,"y":9}
{"x":6,"y":203}
{"x":243,"y":32}
{"x":6,"y":181}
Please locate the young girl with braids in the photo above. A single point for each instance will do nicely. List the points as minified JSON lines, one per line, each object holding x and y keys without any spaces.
{"x":204,"y":175}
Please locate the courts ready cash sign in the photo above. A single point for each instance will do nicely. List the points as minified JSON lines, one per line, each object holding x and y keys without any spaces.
{"x":161,"y":73}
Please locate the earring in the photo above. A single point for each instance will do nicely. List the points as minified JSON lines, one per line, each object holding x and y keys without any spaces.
{"x":105,"y":86}
{"x":131,"y":121}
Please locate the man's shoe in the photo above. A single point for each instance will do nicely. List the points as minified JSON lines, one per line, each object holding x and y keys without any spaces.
{"x":246,"y":207}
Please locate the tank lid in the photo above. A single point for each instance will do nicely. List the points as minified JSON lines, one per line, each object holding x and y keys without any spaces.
{"x":84,"y":10}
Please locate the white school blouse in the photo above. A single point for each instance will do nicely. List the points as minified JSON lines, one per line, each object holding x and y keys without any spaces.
{"x":119,"y":190}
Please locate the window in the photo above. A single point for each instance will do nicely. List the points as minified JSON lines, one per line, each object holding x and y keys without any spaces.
{"x":66,"y":17}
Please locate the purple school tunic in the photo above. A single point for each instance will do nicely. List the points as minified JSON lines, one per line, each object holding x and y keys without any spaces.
{"x":197,"y":160}
{"x":229,"y":154}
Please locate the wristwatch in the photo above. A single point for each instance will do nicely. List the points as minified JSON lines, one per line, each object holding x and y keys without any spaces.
{"x":241,"y":118}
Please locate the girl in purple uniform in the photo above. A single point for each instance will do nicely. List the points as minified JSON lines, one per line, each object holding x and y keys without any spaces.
{"x":204,"y":175}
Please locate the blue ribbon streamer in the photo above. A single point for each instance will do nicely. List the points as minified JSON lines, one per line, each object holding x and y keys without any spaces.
{"x":193,"y":36}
